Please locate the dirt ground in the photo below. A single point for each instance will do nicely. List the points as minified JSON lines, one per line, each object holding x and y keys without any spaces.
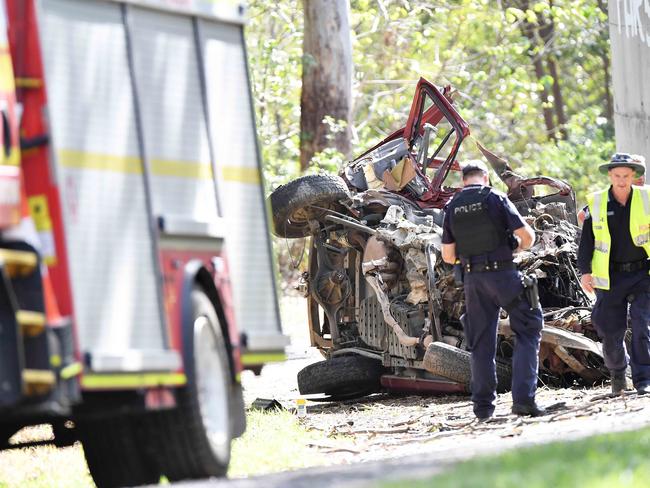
{"x":411,"y":428}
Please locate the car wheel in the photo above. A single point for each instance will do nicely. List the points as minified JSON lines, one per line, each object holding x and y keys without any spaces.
{"x":306,"y":198}
{"x":453,"y":363}
{"x":341,"y":377}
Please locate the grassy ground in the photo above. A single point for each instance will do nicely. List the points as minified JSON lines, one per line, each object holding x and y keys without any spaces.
{"x":44,"y":466}
{"x":604,"y":461}
{"x":273,"y":442}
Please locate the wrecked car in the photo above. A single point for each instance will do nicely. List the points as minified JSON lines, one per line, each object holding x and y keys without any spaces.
{"x":384,"y":309}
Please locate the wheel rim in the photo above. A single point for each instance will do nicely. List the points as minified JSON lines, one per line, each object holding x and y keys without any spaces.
{"x":302,"y":216}
{"x":211,"y":387}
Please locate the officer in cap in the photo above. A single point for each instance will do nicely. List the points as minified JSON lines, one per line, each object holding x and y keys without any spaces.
{"x":482,"y":227}
{"x":613,"y":261}
{"x":638,"y":181}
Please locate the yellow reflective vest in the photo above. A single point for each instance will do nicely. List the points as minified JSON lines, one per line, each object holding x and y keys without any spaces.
{"x":639,"y":230}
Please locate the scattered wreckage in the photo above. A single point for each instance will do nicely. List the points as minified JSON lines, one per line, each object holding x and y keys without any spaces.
{"x":384,"y":309}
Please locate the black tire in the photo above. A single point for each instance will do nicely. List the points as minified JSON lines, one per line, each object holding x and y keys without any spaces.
{"x":453,"y":363}
{"x":291,"y":204}
{"x":113,"y":454}
{"x":341,"y":377}
{"x":180,"y":438}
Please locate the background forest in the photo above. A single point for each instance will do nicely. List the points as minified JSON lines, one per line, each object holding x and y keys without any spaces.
{"x":533,"y":79}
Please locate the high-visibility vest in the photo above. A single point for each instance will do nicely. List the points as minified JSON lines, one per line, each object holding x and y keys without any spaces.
{"x":639,"y":230}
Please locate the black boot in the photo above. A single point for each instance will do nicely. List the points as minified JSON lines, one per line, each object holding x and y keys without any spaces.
{"x":619,"y":382}
{"x":530,"y":409}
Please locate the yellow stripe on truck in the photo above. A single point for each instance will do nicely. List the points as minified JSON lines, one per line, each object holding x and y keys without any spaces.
{"x":102,"y":162}
{"x":181,"y":169}
{"x":71,"y":158}
{"x":131,"y":380}
{"x":257,"y":358}
{"x":70,"y":371}
{"x":241,"y":174}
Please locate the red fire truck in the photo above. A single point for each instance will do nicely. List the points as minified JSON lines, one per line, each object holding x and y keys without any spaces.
{"x":133,"y":232}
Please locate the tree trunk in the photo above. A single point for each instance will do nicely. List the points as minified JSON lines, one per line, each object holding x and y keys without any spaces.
{"x":609,"y":102}
{"x":558,"y":99}
{"x":529,"y":32}
{"x":605,"y":56}
{"x":326,"y":78}
{"x":546,"y":31}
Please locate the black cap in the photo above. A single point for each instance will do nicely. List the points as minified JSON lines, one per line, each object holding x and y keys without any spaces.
{"x":474,"y":165}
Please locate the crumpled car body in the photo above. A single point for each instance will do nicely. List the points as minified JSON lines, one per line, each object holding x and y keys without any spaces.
{"x":384,"y":309}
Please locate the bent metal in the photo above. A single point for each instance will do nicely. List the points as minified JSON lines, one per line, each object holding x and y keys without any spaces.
{"x":384,"y":309}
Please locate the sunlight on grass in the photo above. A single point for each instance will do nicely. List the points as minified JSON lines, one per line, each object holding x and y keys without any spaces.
{"x":273,"y":441}
{"x":44,"y":467}
{"x":605,"y":461}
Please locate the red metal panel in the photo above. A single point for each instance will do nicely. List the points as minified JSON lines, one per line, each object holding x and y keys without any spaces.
{"x":34,"y":133}
{"x":420,"y":385}
{"x":173,"y":266}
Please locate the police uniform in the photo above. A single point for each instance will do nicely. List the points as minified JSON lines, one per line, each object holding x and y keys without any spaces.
{"x":478,"y":220}
{"x":614,"y":249}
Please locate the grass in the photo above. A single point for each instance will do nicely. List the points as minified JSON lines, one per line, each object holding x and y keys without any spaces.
{"x":43,"y":466}
{"x":277,"y":441}
{"x":274,"y":441}
{"x":604,"y":461}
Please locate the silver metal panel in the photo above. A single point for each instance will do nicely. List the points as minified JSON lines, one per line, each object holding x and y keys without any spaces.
{"x":174,"y":225}
{"x":240,"y":180}
{"x":224,"y":10}
{"x":137,"y":360}
{"x":99,"y":176}
{"x":175,"y":133}
{"x":629,"y":31}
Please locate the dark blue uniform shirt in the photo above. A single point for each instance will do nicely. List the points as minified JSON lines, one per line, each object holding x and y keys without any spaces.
{"x":503,"y":214}
{"x":623,"y":248}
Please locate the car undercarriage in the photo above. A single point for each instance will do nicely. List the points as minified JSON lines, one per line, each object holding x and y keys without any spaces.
{"x":384,"y":309}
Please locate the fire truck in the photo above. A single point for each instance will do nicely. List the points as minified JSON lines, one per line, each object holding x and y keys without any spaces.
{"x":136,"y":278}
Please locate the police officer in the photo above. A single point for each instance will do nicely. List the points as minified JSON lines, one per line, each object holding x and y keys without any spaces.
{"x":481,"y":228}
{"x":613,"y":260}
{"x":639,"y":181}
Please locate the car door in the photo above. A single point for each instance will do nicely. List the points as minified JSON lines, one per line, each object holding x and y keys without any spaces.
{"x":435,"y":130}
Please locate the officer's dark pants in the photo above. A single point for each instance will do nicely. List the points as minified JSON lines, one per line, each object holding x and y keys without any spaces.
{"x":628,"y":292}
{"x":485,"y":293}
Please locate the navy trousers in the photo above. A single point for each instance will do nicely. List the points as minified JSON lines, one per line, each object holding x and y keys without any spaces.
{"x":629,"y":293}
{"x":485,"y":293}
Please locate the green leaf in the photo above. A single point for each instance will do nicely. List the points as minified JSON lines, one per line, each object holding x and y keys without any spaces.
{"x":513,"y":14}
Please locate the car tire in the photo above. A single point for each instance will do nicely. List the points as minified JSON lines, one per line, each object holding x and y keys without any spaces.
{"x":453,"y":363}
{"x":291,"y":204}
{"x":341,"y":377}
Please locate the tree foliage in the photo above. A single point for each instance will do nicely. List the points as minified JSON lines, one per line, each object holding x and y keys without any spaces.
{"x":483,"y":48}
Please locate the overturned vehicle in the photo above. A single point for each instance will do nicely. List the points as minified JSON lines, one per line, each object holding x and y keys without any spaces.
{"x":384,"y":309}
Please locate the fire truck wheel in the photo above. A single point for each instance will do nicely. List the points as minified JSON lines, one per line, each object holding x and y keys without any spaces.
{"x":193,"y":440}
{"x":6,"y":431}
{"x":113,"y":454}
{"x":303,"y":199}
{"x":341,"y":377}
